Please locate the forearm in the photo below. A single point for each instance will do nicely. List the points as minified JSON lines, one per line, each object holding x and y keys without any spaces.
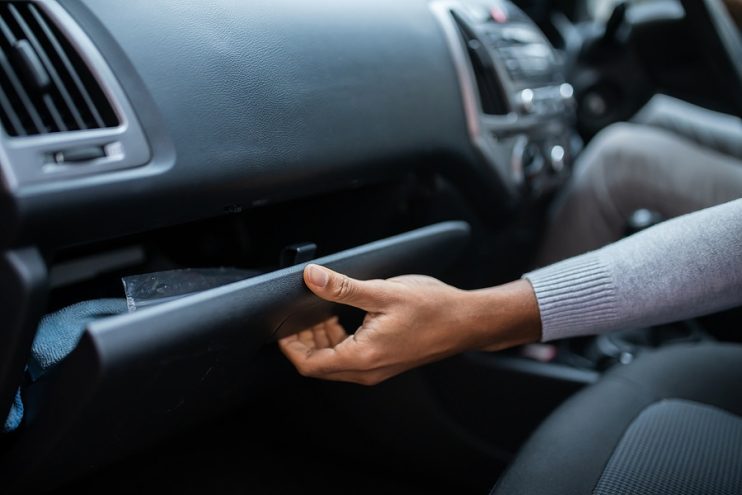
{"x":503,"y":316}
{"x":414,"y":320}
{"x":410,"y":321}
{"x":679,"y":269}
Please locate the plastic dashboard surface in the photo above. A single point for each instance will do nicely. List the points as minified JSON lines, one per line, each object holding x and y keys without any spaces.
{"x":246,"y":103}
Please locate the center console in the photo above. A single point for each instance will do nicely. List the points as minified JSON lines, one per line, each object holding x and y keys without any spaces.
{"x":519,"y":107}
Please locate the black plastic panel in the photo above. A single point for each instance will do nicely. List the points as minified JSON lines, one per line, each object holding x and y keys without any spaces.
{"x":248,"y":103}
{"x":22,"y":296}
{"x":135,"y":377}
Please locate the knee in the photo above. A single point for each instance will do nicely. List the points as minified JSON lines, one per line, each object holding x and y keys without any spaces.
{"x":659,"y":110}
{"x":615,"y":146}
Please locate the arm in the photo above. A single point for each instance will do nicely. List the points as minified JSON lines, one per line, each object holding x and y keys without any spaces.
{"x":685,"y":267}
{"x":410,"y":321}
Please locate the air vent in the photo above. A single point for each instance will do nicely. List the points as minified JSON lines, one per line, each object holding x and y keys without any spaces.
{"x":45,"y":85}
{"x":490,"y":92}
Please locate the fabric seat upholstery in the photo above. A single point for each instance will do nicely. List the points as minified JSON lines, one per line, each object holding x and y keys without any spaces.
{"x":570,"y":451}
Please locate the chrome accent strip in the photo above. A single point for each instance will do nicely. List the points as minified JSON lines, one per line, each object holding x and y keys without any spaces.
{"x":469,"y":94}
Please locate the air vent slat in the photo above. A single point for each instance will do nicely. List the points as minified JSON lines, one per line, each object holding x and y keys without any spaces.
{"x":34,"y":105}
{"x":32,"y":47}
{"x":6,"y":31}
{"x":54,"y":112}
{"x":82,"y":90}
{"x":35,"y":122}
{"x":10,"y":117}
{"x":67,"y":105}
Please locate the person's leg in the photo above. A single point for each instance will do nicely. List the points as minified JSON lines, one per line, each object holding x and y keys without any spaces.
{"x":628,"y":167}
{"x":718,"y":131}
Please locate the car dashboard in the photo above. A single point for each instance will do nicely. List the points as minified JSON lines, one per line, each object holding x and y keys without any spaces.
{"x":125,"y":120}
{"x":235,"y":106}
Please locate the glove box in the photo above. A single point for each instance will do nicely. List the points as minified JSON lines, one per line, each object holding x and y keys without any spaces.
{"x":137,"y":376}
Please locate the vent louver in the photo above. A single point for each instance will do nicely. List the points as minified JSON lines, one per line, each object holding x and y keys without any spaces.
{"x":45,"y":86}
{"x":491,"y":95}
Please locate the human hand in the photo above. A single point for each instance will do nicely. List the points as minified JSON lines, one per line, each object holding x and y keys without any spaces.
{"x":411,"y":320}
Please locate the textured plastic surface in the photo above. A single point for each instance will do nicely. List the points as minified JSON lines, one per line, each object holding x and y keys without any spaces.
{"x":23,"y":295}
{"x":137,"y":376}
{"x":247,"y":103}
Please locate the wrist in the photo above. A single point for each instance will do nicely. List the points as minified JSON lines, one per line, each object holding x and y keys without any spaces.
{"x":503,"y":316}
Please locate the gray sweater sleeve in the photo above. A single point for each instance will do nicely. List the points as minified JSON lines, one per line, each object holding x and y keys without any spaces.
{"x":682,"y":268}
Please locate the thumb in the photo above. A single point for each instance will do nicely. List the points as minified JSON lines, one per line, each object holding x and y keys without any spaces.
{"x":336,"y":287}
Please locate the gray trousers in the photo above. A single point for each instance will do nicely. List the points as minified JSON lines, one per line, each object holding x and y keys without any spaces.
{"x":673,"y":158}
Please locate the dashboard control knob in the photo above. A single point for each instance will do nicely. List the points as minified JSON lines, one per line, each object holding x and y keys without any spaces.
{"x":566,"y":91}
{"x":556,"y":158}
{"x":526,"y":100}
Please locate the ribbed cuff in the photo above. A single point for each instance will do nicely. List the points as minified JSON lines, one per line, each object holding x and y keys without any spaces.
{"x":576,"y":297}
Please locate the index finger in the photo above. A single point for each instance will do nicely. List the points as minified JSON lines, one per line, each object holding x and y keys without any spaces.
{"x":310,"y":361}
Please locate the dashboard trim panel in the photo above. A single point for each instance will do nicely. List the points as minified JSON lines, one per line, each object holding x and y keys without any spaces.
{"x":30,"y":159}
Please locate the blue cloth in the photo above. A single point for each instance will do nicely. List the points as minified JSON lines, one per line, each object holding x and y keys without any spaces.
{"x":56,"y":337}
{"x":59,"y":332}
{"x":16,"y":414}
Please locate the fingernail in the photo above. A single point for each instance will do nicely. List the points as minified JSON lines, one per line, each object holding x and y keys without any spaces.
{"x":318,"y":276}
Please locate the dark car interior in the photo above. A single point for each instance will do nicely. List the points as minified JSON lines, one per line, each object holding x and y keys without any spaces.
{"x":237,"y":141}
